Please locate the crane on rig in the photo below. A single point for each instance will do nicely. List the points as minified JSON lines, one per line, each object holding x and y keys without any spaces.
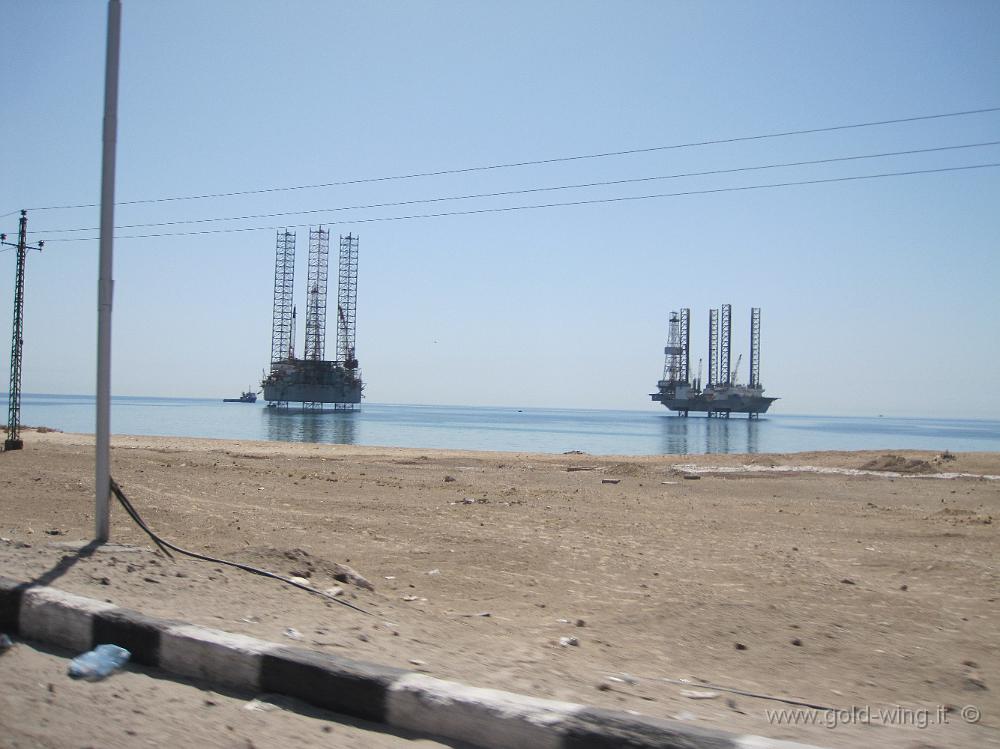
{"x":736,"y":369}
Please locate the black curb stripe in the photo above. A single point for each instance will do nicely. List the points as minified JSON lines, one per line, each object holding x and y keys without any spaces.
{"x":11,"y":595}
{"x":338,"y":684}
{"x":137,"y":633}
{"x":597,"y":728}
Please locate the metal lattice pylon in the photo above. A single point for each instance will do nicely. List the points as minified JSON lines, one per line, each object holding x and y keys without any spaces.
{"x":17,"y":341}
{"x":317,"y":279}
{"x":13,"y":441}
{"x":347,"y":301}
{"x":284,"y":277}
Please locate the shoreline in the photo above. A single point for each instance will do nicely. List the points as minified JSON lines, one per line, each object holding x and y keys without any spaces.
{"x":837,"y":457}
{"x":831,"y":588}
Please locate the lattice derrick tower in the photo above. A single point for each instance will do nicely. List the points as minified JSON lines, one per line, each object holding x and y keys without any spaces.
{"x":725,"y":339}
{"x":685,"y":340}
{"x":317,"y":279}
{"x":713,"y":347}
{"x":672,"y":351}
{"x":678,"y":349}
{"x":347,"y":301}
{"x":755,"y":347}
{"x":282,"y":325}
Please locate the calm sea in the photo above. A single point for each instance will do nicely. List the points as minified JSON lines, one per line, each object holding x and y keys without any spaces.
{"x":511,"y":429}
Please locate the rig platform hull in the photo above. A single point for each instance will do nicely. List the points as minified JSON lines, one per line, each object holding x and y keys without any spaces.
{"x":308,"y":381}
{"x":714,"y":400}
{"x":734,"y":404}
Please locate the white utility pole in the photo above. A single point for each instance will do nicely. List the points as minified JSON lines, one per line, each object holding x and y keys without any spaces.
{"x":105,"y":282}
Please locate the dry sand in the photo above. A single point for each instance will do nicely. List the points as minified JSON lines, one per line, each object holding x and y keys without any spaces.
{"x":839,"y":588}
{"x":41,"y":707}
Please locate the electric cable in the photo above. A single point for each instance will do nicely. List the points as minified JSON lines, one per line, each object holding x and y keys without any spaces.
{"x":509,"y":209}
{"x":166,"y":546}
{"x":524,"y":191}
{"x":539,"y":162}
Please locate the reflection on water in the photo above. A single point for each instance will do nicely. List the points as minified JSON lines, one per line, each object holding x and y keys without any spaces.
{"x":686,"y":435}
{"x":753,"y":435}
{"x":307,"y":425}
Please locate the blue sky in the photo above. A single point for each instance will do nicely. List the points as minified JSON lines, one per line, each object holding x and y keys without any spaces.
{"x":878,"y":296}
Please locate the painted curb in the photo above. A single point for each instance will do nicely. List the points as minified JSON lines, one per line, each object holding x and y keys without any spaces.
{"x":396,"y":697}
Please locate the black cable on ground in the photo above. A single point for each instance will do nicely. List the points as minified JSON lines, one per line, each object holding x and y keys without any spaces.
{"x":165,"y":546}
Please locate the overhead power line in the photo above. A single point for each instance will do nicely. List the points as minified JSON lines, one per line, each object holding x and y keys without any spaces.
{"x":507,"y":193}
{"x":594,"y":201}
{"x":540,"y":162}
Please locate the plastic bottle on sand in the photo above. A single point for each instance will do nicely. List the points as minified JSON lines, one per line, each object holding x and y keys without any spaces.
{"x":99,"y":662}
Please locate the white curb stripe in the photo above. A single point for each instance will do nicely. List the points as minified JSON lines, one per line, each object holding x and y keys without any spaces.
{"x":203,"y":653}
{"x":59,"y":618}
{"x":760,"y":742}
{"x":484,"y":717}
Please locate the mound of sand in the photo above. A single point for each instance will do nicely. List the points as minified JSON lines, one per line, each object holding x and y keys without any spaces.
{"x":625,"y":469}
{"x":898,"y":464}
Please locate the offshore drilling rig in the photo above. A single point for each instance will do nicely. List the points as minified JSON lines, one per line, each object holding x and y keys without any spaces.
{"x":312,"y":380}
{"x":722,"y":395}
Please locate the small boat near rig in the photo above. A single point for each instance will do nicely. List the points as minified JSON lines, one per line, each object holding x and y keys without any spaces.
{"x":721,"y":395}
{"x":248,"y":396}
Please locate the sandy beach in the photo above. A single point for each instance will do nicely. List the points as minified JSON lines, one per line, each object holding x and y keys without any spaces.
{"x":845,"y":580}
